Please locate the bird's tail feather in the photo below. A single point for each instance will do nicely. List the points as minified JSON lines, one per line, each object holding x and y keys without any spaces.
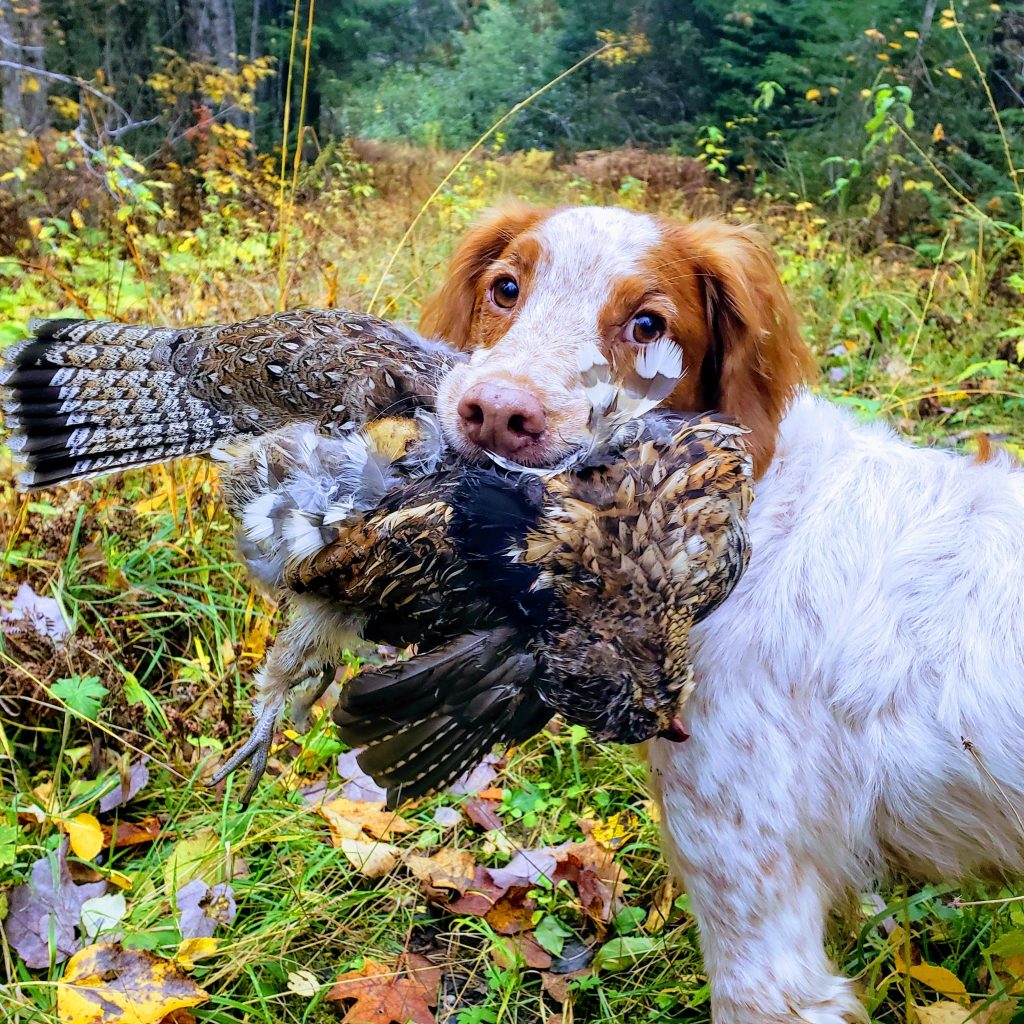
{"x":84,"y":397}
{"x":426,"y":721}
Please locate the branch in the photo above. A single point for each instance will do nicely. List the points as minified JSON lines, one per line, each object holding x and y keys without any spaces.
{"x":68,"y":80}
{"x":14,"y":45}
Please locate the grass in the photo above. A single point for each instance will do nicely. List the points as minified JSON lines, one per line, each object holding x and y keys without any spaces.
{"x":144,"y":567}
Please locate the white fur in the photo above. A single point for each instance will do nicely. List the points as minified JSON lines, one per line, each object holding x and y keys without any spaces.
{"x":879,"y":625}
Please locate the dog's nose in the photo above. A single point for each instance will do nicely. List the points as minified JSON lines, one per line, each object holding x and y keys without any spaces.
{"x":502,"y":418}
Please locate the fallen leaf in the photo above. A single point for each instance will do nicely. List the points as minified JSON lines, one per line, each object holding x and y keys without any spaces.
{"x":191,"y":950}
{"x":381,"y":996}
{"x":524,"y":949}
{"x":943,"y":980}
{"x":373,"y":859}
{"x":127,"y":788}
{"x":303,"y":983}
{"x":348,"y":819}
{"x":661,"y":908}
{"x":106,"y":984}
{"x":426,"y":972}
{"x":944,"y":1012}
{"x":42,"y":615}
{"x":482,"y":813}
{"x":443,"y":872}
{"x":617,"y":830}
{"x":447,"y":817}
{"x":131,"y":833}
{"x":202,"y":907}
{"x":84,"y":835}
{"x":478,"y":778}
{"x":101,"y":915}
{"x":358,"y":785}
{"x":49,"y":904}
{"x":200,"y":855}
{"x":598,"y":879}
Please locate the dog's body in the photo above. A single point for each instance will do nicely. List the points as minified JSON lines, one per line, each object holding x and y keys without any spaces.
{"x":860,"y":706}
{"x":859,"y":696}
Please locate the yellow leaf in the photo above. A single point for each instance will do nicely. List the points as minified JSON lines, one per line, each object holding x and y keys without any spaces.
{"x":803,"y":206}
{"x":77,"y":219}
{"x":882,"y":56}
{"x":938,"y":132}
{"x":812,"y":94}
{"x":944,"y":981}
{"x":874,"y":35}
{"x":349,"y":819}
{"x":954,"y":73}
{"x":30,"y":84}
{"x":84,"y":835}
{"x":106,"y":984}
{"x":910,"y":34}
{"x":191,"y":950}
{"x":943,"y":1012}
{"x":372,"y":859}
{"x":616,"y":830}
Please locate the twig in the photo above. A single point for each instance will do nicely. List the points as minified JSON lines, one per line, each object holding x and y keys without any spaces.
{"x":68,"y":80}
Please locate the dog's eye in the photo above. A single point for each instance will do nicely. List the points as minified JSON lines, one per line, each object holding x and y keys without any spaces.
{"x":644,"y":328}
{"x":505,"y":292}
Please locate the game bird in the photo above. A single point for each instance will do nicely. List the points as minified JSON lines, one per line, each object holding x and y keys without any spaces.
{"x":371,"y":530}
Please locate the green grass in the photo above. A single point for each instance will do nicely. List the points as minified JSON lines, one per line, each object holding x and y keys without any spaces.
{"x":144,"y":567}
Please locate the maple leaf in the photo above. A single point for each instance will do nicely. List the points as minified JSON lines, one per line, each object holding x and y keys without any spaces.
{"x":349,"y":819}
{"x":202,"y":907}
{"x":381,"y":996}
{"x":49,"y":904}
{"x":108,"y":983}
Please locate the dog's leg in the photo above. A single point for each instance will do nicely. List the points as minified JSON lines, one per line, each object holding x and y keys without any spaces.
{"x":763,"y":846}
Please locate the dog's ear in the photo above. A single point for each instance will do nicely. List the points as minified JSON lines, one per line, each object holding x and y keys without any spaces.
{"x":755,"y":358}
{"x":448,"y":313}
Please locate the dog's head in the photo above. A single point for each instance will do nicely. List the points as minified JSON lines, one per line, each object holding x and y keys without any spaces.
{"x":530,"y":289}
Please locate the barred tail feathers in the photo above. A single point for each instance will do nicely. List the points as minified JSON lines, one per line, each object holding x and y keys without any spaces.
{"x":82,"y":398}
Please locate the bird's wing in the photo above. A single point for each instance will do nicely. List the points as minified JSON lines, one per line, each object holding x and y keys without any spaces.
{"x":427,"y":720}
{"x":82,"y":398}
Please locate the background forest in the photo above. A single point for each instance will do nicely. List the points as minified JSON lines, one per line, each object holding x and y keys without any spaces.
{"x":186,"y":161}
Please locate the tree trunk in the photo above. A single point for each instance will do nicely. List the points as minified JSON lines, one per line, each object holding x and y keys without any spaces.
{"x":211,"y":31}
{"x":21,"y":42}
{"x":254,"y":52}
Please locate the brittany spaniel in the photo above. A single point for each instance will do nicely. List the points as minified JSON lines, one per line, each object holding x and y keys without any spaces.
{"x":860,"y":697}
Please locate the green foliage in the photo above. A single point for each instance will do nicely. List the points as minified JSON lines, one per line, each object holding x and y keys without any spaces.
{"x":82,"y":694}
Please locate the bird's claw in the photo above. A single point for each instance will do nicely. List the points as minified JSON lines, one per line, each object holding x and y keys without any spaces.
{"x":255,"y":749}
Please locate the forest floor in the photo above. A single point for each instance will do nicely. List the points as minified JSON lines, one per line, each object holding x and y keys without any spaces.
{"x":166,"y":632}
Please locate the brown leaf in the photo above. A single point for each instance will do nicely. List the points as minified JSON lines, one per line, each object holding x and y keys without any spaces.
{"x":661,"y":908}
{"x":521,"y":948}
{"x":443,"y":873}
{"x":482,"y":812}
{"x":349,"y":819}
{"x":109,"y":984}
{"x":512,"y":911}
{"x":424,"y":970}
{"x":591,"y":868}
{"x":381,"y":996}
{"x":557,"y":985}
{"x":132,"y":833}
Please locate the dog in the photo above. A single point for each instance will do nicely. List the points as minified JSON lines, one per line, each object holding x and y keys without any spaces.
{"x":859,"y":706}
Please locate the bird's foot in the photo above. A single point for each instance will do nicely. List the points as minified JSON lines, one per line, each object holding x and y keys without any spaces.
{"x":255,"y":749}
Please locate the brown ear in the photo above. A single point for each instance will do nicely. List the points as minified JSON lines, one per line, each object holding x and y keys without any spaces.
{"x":756,"y":359}
{"x":448,"y":313}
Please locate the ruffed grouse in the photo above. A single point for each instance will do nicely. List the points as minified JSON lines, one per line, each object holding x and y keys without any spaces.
{"x":531,"y":588}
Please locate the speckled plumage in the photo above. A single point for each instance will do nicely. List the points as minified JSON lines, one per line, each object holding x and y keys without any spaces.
{"x":578,"y":593}
{"x":84,"y":397}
